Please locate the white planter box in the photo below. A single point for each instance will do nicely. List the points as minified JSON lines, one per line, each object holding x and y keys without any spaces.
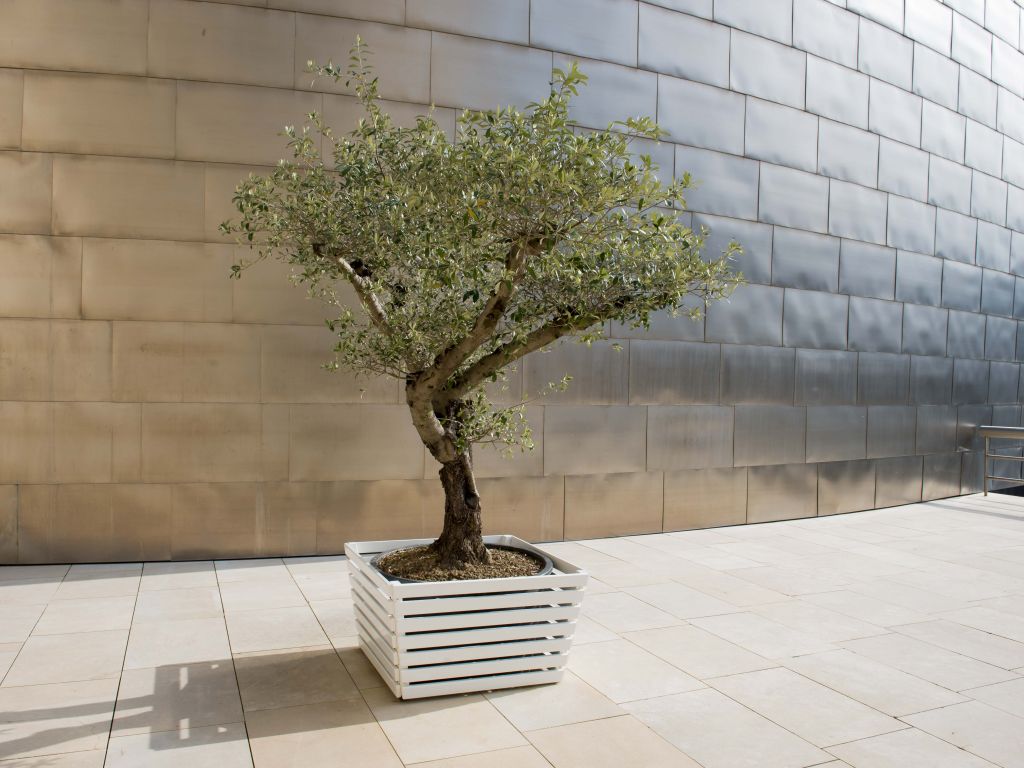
{"x":434,"y":638}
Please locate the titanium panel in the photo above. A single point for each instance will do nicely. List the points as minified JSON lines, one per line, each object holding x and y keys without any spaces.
{"x":1020,"y":344}
{"x":703,"y":498}
{"x":876,"y":325}
{"x":600,"y":373}
{"x":977,"y":97}
{"x":752,"y":315}
{"x":793,"y":198}
{"x":594,"y":439}
{"x":924,"y":330}
{"x":836,"y":433}
{"x":902,"y":170}
{"x":949,"y":185}
{"x":1018,"y":298}
{"x":680,"y":45}
{"x":847,"y":153}
{"x":936,"y":428}
{"x":891,"y":430}
{"x":824,"y":29}
{"x":722,"y":184}
{"x":988,"y":198}
{"x":961,"y":286}
{"x":882,"y":378}
{"x":970,"y":472}
{"x":984,"y":149}
{"x":856,"y":212}
{"x":689,"y":437}
{"x":756,"y":260}
{"x":997,"y":293}
{"x":837,"y":92}
{"x":966,"y":335}
{"x":1002,"y":382}
{"x":845,"y":486}
{"x":1000,"y":338}
{"x":911,"y":225}
{"x":757,"y":374}
{"x":666,"y":327}
{"x":814,"y":319}
{"x":1010,"y":114}
{"x":805,"y":260}
{"x":1013,"y":162}
{"x":931,"y":380}
{"x":782,"y":492}
{"x":955,"y":236}
{"x":701,"y":115}
{"x":970,"y":381}
{"x":993,"y":246}
{"x":884,"y":12}
{"x":941,"y":476}
{"x":935,"y":77}
{"x":766,"y":69}
{"x":781,"y":135}
{"x":943,"y":132}
{"x":609,"y":34}
{"x":894,"y":113}
{"x":885,"y":54}
{"x":1006,"y":415}
{"x":671,"y":372}
{"x":1015,"y":208}
{"x":968,"y":419}
{"x":898,"y":481}
{"x":769,"y":434}
{"x":930,"y":23}
{"x":769,"y":18}
{"x":918,"y":278}
{"x":867,"y":270}
{"x":824,"y":377}
{"x":972,"y":45}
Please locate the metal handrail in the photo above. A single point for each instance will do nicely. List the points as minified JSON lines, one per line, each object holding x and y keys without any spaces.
{"x":991,"y":432}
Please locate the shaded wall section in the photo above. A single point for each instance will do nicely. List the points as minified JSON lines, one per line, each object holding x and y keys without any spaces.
{"x":868,"y":154}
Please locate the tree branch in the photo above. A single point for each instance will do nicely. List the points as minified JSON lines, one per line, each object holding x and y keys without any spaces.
{"x":362,"y":288}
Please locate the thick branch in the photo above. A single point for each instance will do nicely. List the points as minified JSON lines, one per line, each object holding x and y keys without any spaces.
{"x":449,"y":361}
{"x":362,"y":288}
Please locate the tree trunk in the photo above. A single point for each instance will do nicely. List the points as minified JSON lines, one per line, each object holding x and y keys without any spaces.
{"x":461,"y":541}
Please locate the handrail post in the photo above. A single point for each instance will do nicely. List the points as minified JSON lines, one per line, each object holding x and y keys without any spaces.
{"x":985,"y":468}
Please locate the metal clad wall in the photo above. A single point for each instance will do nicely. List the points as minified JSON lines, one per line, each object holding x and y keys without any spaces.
{"x":868,"y":155}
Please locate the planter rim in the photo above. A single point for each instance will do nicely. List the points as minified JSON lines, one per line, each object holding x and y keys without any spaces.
{"x":547,"y":566}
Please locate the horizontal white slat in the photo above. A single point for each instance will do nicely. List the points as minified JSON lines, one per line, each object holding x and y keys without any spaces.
{"x":386,"y":633}
{"x":455,"y":603}
{"x":387,"y":670}
{"x":406,"y":624}
{"x":382,"y":644}
{"x":395,"y":687}
{"x":487,"y":651}
{"x":373,"y":592}
{"x":478,"y":586}
{"x":479,"y":668}
{"x":487,"y":635}
{"x":372,"y":607}
{"x":473,"y":684}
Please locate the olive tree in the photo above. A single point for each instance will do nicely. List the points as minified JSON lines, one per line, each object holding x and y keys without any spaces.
{"x":465,"y":255}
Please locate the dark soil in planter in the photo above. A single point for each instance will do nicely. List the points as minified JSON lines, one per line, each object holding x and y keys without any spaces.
{"x":420,"y":564}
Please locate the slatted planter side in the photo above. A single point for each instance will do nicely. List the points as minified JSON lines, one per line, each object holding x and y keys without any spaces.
{"x":446,"y":637}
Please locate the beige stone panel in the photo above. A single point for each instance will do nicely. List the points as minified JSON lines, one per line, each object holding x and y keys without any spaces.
{"x":588,"y":439}
{"x":353,"y":442}
{"x":213,"y":41}
{"x":25,"y":186}
{"x":91,"y":35}
{"x":80,"y":355}
{"x":11,"y":88}
{"x":532,"y":508}
{"x":400,"y":56}
{"x":127,"y":197}
{"x":392,"y":11}
{"x":221,"y":363}
{"x":371,"y":510}
{"x":292,"y":370}
{"x":200,"y":442}
{"x":156,"y":280}
{"x":613,"y":505}
{"x":26,"y":454}
{"x":239,"y":123}
{"x":24,"y":360}
{"x":42,"y":276}
{"x":215,"y":519}
{"x":284,"y":528}
{"x":96,"y":442}
{"x":94,"y":522}
{"x":274,"y":442}
{"x":599,"y":373}
{"x":8,"y":525}
{"x":343,"y":113}
{"x":219,"y":184}
{"x":705,"y":498}
{"x":496,"y":460}
{"x":148,"y":361}
{"x":98,"y":114}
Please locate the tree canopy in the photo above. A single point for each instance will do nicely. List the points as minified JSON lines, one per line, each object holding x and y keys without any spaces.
{"x":467,"y":254}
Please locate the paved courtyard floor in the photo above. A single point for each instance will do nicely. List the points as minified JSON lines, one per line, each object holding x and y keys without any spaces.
{"x":884,"y":639}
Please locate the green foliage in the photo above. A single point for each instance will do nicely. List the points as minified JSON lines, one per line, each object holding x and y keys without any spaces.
{"x":446,"y":261}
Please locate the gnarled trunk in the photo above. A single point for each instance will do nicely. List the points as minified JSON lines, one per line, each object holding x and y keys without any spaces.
{"x":461,"y":540}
